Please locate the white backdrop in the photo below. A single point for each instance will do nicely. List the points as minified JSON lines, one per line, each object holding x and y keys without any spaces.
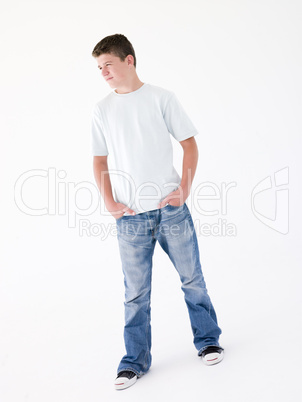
{"x":236,"y":68}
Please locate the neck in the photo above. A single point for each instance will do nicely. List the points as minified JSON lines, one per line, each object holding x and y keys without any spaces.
{"x":130,"y":86}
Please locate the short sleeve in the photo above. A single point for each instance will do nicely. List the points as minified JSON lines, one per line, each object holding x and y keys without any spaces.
{"x":98,"y":143}
{"x":177,"y":120}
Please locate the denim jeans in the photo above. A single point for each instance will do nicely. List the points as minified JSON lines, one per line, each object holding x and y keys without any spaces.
{"x":173,"y":227}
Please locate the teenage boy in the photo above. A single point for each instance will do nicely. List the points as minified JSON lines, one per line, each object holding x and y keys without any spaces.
{"x":133,"y":124}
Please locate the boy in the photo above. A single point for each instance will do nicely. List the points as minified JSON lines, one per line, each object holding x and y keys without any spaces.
{"x":133,"y":125}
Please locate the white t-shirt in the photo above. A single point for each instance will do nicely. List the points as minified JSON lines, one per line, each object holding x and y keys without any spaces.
{"x":134,"y":129}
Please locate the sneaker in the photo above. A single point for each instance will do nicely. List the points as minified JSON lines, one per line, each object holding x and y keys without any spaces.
{"x":125,"y":379}
{"x":212,"y":355}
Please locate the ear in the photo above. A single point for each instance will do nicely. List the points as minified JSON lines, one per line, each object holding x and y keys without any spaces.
{"x":130,"y":60}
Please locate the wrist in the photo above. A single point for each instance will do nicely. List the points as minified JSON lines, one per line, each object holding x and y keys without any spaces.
{"x":184,"y":189}
{"x":110,"y":204}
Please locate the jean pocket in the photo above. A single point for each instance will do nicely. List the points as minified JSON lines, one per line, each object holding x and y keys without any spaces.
{"x":171,"y":211}
{"x":174,"y":206}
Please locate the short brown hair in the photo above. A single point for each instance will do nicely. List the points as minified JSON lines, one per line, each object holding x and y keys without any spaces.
{"x":117,"y":44}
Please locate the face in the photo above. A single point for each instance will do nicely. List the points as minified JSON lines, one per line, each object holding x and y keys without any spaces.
{"x":114,"y":71}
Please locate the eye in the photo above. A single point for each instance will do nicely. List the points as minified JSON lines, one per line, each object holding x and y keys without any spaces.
{"x":106,"y":66}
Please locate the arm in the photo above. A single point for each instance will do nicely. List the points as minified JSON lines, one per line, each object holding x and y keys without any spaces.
{"x":102,"y":178}
{"x":190,"y":159}
{"x":100,"y":170}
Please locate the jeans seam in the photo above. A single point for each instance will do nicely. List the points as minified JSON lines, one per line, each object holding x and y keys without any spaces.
{"x":195,"y":253}
{"x":148,"y":323}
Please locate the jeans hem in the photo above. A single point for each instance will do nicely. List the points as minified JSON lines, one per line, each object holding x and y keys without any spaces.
{"x":131,"y":369}
{"x":206,"y":346}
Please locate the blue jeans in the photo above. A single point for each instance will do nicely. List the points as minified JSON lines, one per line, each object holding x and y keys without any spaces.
{"x":173,"y":227}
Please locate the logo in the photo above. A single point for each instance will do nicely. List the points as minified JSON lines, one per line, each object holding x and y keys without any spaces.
{"x":270,"y":201}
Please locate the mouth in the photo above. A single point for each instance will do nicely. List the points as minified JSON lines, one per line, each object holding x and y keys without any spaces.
{"x":109,"y":78}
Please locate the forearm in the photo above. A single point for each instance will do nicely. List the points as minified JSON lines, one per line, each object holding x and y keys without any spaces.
{"x":190,"y":159}
{"x":103,"y":182}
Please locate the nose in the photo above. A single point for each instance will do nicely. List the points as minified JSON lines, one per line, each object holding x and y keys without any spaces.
{"x":104,"y":72}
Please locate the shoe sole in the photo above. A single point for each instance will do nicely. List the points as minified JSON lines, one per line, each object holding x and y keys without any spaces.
{"x":212,"y":358}
{"x":122,"y":382}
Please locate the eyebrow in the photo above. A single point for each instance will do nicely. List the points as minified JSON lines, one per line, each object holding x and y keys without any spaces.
{"x":108,"y":61}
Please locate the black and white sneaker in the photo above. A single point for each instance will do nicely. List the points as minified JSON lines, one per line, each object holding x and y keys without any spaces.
{"x":212,"y":355}
{"x":125,"y":379}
